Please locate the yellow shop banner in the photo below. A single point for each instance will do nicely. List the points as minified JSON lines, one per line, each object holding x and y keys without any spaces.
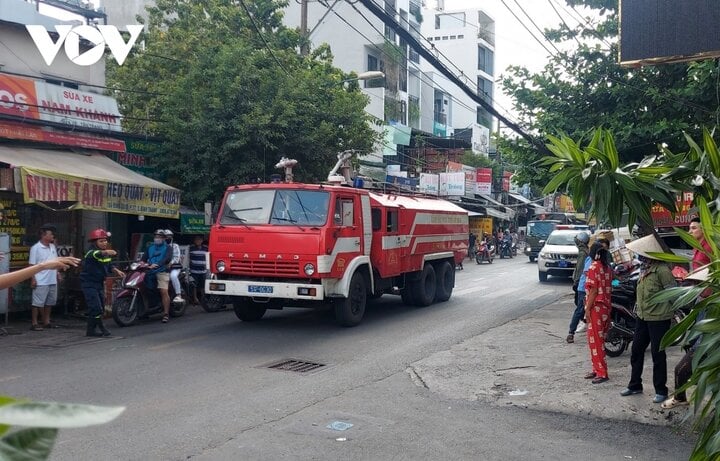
{"x":92,"y":194}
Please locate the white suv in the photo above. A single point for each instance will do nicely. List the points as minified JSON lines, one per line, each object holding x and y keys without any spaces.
{"x":559,"y":255}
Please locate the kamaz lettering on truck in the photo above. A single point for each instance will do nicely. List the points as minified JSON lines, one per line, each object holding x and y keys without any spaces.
{"x":301,"y":245}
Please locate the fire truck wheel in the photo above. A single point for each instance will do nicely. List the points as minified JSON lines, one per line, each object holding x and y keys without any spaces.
{"x":445,"y":281}
{"x":248,"y":310}
{"x":349,"y":311}
{"x":212,"y":303}
{"x":406,"y":295}
{"x":425,"y":287}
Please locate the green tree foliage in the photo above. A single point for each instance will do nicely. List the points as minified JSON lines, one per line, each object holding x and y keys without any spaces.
{"x":595,"y":170}
{"x":585,"y":88}
{"x":226,"y":106}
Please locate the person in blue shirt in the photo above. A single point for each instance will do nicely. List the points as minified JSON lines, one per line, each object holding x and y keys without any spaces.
{"x":158,"y":256}
{"x":97,"y":265}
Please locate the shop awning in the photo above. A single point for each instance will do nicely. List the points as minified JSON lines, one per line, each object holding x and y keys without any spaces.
{"x":520,"y":198}
{"x":88,"y":182}
{"x":490,"y":199}
{"x":495,"y":213}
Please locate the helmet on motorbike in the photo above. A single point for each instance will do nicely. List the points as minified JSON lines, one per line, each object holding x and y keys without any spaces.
{"x":160,"y":232}
{"x":98,"y":234}
{"x":168,"y":233}
{"x":583,"y":238}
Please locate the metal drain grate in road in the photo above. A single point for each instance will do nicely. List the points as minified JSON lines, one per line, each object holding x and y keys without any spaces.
{"x":299,"y":366}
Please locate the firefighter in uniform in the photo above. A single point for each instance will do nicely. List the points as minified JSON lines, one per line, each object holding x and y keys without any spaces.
{"x":97,"y":265}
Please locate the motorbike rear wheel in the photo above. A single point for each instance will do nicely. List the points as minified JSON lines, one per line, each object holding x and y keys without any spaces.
{"x":121,"y":311}
{"x":178,"y":309}
{"x":615,"y":343}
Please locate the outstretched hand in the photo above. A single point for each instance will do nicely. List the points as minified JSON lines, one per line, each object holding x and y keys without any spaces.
{"x":62,"y":263}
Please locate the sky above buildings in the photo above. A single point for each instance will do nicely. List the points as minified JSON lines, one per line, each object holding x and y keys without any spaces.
{"x":514,"y":45}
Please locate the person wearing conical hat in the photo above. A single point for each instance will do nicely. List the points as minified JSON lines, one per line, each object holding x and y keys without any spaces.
{"x":653,"y":318}
{"x":700,"y":260}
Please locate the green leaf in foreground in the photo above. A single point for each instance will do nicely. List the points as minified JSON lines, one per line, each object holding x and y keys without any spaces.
{"x":32,"y":444}
{"x":59,"y":415}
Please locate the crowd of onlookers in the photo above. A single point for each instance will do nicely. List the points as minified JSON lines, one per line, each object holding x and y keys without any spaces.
{"x":592,"y":283}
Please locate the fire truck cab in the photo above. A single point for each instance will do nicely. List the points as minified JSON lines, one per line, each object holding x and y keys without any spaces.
{"x":291,"y":244}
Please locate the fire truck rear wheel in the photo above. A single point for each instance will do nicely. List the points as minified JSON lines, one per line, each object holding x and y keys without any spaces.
{"x":349,"y":311}
{"x":248,"y":310}
{"x":406,"y":295}
{"x":424,"y":288}
{"x":445,"y":281}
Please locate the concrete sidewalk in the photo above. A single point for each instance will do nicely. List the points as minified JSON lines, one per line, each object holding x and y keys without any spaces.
{"x":526,"y":362}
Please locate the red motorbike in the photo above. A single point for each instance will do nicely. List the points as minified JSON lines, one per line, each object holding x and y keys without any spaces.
{"x":137,"y":301}
{"x":484,"y":252}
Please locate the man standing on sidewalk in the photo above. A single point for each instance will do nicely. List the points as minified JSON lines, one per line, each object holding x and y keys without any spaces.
{"x":44,"y":283}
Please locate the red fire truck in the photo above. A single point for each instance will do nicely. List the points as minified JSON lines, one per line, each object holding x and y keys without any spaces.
{"x":299,"y":245}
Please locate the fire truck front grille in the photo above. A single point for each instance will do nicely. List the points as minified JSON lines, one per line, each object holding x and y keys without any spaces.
{"x":286,"y":268}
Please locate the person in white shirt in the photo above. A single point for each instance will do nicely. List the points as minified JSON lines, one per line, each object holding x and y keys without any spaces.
{"x":44,"y":283}
{"x":175,"y":266}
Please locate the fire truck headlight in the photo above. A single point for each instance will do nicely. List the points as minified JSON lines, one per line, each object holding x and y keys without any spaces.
{"x":309,"y":269}
{"x":220,"y":266}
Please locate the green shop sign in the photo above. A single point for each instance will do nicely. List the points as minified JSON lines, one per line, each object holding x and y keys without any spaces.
{"x":193,"y":224}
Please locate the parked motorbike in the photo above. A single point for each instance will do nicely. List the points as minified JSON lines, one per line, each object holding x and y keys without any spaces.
{"x":623,"y":317}
{"x":484,"y":252}
{"x":137,"y":301}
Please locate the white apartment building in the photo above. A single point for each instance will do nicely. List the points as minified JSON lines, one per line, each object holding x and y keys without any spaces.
{"x":465,"y":43}
{"x":361,"y":42}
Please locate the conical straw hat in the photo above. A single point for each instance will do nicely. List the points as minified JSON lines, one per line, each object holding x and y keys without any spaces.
{"x":645,"y":245}
{"x":701,"y":274}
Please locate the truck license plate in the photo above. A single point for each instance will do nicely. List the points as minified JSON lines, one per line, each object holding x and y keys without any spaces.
{"x":260,"y":289}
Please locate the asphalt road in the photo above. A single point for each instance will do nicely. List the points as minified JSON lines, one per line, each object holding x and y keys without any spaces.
{"x":199,"y":387}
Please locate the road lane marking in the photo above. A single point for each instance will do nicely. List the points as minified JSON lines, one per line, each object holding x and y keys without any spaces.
{"x":163,"y":346}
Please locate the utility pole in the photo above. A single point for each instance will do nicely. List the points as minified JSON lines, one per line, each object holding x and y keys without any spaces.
{"x":304,"y":27}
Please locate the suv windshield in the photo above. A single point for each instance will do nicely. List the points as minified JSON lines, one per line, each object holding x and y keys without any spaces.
{"x":540,"y":228}
{"x":564,"y":238}
{"x":280,"y":207}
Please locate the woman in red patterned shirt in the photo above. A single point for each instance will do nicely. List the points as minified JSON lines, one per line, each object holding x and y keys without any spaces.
{"x":598,"y":287}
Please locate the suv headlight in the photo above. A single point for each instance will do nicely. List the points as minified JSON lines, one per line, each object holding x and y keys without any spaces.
{"x":543,"y":255}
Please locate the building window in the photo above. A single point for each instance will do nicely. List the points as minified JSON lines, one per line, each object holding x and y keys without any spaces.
{"x":485,"y":89}
{"x":373,"y":64}
{"x":445,"y":37}
{"x":62,"y":83}
{"x":460,"y":37}
{"x":485,"y":60}
{"x":453,"y":37}
{"x":437,"y":21}
{"x":414,"y":56}
{"x":483,"y":117}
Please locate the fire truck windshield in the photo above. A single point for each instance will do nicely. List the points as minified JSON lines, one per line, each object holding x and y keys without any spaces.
{"x":277,"y":207}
